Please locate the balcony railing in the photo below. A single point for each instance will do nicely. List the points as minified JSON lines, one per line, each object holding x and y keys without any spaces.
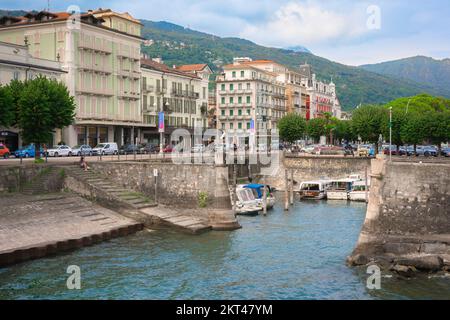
{"x":129,"y":74}
{"x":161,"y":90}
{"x":93,"y":91}
{"x":90,"y":45}
{"x":106,"y":69}
{"x":129,"y":95}
{"x":147,"y":88}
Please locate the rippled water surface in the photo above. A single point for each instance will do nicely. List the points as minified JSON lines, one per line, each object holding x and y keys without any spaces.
{"x":295,"y":255}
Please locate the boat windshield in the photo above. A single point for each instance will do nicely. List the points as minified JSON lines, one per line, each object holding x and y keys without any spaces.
{"x":310,"y":187}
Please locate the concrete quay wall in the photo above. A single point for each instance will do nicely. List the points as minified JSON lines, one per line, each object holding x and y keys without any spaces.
{"x":408,"y":217}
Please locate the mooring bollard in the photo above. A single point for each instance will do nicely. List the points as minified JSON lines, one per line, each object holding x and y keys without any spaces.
{"x":291,"y":193}
{"x":234,"y":196}
{"x":286,"y":192}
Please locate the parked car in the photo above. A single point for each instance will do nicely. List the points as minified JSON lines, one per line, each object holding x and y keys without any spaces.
{"x":149,"y":148}
{"x":445,"y":152}
{"x":83,"y":150}
{"x":27,"y":151}
{"x":107,"y":148}
{"x":308,"y":149}
{"x":168,"y":149}
{"x":129,"y":149}
{"x":59,"y":151}
{"x":4,"y":151}
{"x":426,"y":151}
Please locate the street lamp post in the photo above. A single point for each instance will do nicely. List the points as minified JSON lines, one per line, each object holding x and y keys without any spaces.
{"x":390,"y":133}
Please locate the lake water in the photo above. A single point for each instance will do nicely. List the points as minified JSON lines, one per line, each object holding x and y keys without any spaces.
{"x":295,"y":255}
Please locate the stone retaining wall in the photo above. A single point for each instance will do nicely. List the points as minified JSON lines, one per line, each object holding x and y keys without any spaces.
{"x":408,"y":216}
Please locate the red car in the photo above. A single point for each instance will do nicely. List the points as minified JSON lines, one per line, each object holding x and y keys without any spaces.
{"x":4,"y":151}
{"x":168,"y":149}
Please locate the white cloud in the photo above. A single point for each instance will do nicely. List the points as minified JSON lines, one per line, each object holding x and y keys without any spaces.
{"x":309,"y":23}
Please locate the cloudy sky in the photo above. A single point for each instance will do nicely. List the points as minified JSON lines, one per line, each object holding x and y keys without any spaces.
{"x":350,"y":32}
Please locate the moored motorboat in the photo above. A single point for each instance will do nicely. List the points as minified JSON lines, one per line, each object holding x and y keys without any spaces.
{"x":359,"y":192}
{"x":246,"y":203}
{"x":340,"y":189}
{"x":314,"y":190}
{"x":258,"y":192}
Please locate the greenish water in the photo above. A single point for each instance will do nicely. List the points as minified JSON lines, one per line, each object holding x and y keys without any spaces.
{"x":295,"y":255}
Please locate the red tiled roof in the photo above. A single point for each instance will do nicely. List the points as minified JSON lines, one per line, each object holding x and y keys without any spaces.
{"x":192,"y":67}
{"x":161,"y":67}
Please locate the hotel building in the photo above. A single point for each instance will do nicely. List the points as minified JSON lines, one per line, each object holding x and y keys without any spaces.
{"x":249,"y":98}
{"x":100,"y":54}
{"x":16,"y":63}
{"x":181,"y":95}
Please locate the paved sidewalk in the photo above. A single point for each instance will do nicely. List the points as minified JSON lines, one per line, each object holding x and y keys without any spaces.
{"x":28,"y":222}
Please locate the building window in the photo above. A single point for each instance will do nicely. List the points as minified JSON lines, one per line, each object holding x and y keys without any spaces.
{"x":239,"y":99}
{"x":16,"y":75}
{"x":231,"y":87}
{"x":222,"y":112}
{"x":231,"y":112}
{"x":242,"y":74}
{"x":223,"y":126}
{"x":231,"y":100}
{"x":240,"y":125}
{"x":240,"y":112}
{"x":231,"y":126}
{"x":223,"y":87}
{"x":248,"y":99}
{"x":248,"y":125}
{"x":223,"y":100}
{"x":248,"y":86}
{"x":233,"y":74}
{"x":248,"y":111}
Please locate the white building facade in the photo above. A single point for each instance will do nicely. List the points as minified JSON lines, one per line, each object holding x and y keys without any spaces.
{"x":16,"y":63}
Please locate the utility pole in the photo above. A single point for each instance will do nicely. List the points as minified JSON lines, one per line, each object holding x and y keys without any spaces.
{"x":390,"y":134}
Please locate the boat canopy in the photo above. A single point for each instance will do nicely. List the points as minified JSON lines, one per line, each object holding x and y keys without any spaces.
{"x":256,"y":187}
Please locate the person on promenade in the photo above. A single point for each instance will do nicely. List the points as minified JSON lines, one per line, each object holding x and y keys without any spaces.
{"x":83,"y":164}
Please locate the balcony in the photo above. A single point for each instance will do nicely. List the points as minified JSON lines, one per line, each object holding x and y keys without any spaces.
{"x":177,"y":93}
{"x":104,"y":69}
{"x":129,"y":74}
{"x":160,"y":90}
{"x":191,"y":94}
{"x":147,"y":88}
{"x":129,"y":95}
{"x":236,"y":91}
{"x":128,"y":55}
{"x":92,"y":91}
{"x":92,"y":46}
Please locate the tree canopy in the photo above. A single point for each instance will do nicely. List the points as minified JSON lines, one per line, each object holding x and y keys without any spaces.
{"x":292,"y":127}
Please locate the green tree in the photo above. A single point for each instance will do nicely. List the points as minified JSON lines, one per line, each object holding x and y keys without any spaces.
{"x":292,"y":127}
{"x":7,"y":110}
{"x":367,"y":123}
{"x":343,"y":130}
{"x":315,"y":128}
{"x":437,"y":127}
{"x":413,"y":129}
{"x":43,"y":106}
{"x":16,"y":88}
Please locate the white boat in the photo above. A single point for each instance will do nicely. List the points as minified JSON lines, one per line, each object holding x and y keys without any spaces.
{"x":315,"y":190}
{"x":246,"y":203}
{"x":258,"y":190}
{"x":358,"y":192}
{"x":340,"y":189}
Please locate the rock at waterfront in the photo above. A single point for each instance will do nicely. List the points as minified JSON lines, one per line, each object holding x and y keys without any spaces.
{"x":405,"y":271}
{"x":425,"y":263}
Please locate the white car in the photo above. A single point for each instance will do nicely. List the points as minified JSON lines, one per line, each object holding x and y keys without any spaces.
{"x":106,"y":148}
{"x":60,"y":151}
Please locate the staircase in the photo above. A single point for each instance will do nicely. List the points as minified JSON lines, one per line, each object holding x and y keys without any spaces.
{"x":130,"y":199}
{"x":132,"y":204}
{"x":39,"y":184}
